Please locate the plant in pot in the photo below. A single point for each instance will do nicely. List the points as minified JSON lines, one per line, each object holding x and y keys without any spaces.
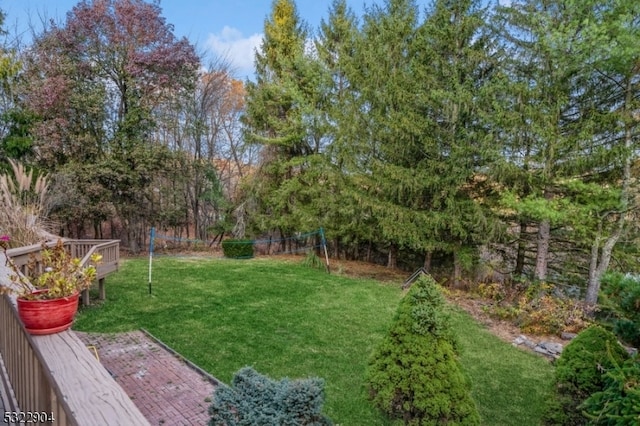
{"x":47,"y":293}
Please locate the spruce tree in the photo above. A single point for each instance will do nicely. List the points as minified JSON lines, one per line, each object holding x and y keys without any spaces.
{"x":381,"y":127}
{"x":454,"y":47}
{"x":414,"y":374}
{"x":282,"y":115}
{"x":564,"y":121}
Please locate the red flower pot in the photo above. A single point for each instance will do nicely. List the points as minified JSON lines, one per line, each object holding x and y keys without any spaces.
{"x":48,"y":316}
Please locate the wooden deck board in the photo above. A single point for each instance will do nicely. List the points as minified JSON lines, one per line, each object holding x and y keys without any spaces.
{"x":87,"y":387}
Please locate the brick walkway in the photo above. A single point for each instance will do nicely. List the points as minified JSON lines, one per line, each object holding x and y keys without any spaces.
{"x":165,"y":388}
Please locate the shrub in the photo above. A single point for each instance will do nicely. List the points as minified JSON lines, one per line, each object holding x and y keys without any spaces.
{"x":311,"y":260}
{"x":254,"y":399}
{"x":414,"y":375}
{"x":25,"y":203}
{"x":537,"y":308}
{"x":579,"y":373}
{"x":237,"y":249}
{"x":492,"y":291}
{"x":619,"y":402}
{"x":549,"y":314}
{"x":620,"y":306}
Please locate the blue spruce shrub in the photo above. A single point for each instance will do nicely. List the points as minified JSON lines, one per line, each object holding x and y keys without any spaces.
{"x":414,"y":375}
{"x":255,"y":400}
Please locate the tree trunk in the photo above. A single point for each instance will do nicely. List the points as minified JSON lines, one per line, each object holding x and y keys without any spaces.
{"x":522,"y":250}
{"x":392,"y":262}
{"x":427,"y":261}
{"x":457,"y":270}
{"x":542,"y":255}
{"x":600,"y":258}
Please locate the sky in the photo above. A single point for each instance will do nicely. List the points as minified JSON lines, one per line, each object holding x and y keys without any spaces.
{"x":226,"y":29}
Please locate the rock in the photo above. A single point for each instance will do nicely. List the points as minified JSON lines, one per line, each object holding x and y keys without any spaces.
{"x":541,"y":350}
{"x":548,"y":349}
{"x":524,"y":340}
{"x":519,"y":340}
{"x":567,"y":336}
{"x":551,"y":347}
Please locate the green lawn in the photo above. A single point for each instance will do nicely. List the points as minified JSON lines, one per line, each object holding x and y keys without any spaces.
{"x":285,"y":319}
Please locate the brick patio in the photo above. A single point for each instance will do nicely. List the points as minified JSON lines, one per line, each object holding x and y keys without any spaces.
{"x":164,"y":387}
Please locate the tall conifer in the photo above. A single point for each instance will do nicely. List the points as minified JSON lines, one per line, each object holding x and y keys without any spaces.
{"x":282,"y":116}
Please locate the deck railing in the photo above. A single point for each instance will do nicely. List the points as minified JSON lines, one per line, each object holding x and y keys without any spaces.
{"x":56,"y":378}
{"x":32,"y":387}
{"x":83,"y":249}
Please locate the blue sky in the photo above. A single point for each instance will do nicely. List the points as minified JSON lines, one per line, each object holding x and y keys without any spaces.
{"x":229,"y":29}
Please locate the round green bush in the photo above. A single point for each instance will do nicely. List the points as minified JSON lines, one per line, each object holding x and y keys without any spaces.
{"x":580,"y":372}
{"x":237,"y":249}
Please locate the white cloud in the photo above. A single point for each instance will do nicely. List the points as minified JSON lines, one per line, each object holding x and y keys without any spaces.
{"x":238,"y":50}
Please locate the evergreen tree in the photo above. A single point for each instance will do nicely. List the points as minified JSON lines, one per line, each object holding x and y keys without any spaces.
{"x":414,"y":374}
{"x":580,"y":372}
{"x":541,"y":147}
{"x":613,"y":95}
{"x":282,"y":116}
{"x":458,"y":147}
{"x":413,"y":141}
{"x":346,"y":220}
{"x":563,"y":121}
{"x":383,"y":127}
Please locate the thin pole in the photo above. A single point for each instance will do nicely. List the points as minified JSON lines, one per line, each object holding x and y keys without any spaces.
{"x":153,"y":237}
{"x":324,"y":245}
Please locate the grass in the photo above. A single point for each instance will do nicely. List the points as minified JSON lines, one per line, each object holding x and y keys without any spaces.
{"x":509,"y":385}
{"x":288,"y":320}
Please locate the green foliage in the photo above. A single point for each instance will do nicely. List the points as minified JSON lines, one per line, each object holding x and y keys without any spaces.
{"x":238,"y":249}
{"x":620,"y":306}
{"x":18,"y":142}
{"x":282,"y":115}
{"x":580,"y":373}
{"x":313,"y":261}
{"x":618,"y":404}
{"x":254,"y":399}
{"x":414,"y":374}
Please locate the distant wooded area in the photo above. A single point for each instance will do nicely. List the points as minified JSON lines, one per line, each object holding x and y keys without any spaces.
{"x":483,"y":142}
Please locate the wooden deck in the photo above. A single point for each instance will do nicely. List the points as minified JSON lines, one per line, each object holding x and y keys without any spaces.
{"x":57,"y":374}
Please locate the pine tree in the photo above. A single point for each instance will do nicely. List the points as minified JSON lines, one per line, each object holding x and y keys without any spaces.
{"x":540,"y":147}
